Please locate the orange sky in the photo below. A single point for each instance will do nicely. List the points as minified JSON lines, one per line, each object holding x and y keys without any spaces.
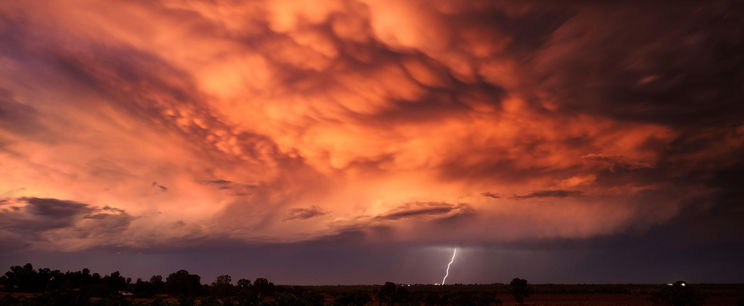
{"x":280,"y":121}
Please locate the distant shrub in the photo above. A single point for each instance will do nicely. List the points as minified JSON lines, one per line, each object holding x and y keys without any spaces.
{"x":520,"y":289}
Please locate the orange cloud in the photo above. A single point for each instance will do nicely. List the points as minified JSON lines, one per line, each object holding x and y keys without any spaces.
{"x":286,"y":121}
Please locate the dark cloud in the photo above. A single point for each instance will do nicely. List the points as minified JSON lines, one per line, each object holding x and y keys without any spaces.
{"x":614,"y":162}
{"x":420,"y":209}
{"x":672,"y":65}
{"x":233,"y":188}
{"x":304,"y":213}
{"x":33,"y":218}
{"x":635,"y":106}
{"x":16,"y":117}
{"x":41,"y":214}
{"x":548,"y":194}
{"x":463,"y":213}
{"x":491,"y":195}
{"x":219,"y":182}
{"x":161,"y":187}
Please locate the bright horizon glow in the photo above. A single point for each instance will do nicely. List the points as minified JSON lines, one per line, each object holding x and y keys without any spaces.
{"x":454,"y":253}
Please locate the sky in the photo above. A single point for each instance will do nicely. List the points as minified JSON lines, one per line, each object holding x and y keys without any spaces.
{"x":360,"y":141}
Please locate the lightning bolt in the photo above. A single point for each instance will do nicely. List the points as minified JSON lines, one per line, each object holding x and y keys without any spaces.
{"x":454,"y":253}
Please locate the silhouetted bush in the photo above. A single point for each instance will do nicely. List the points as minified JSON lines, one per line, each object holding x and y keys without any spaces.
{"x":520,"y":289}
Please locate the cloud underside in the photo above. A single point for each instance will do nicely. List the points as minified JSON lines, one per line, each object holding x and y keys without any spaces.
{"x":432,"y":122}
{"x":75,"y":225}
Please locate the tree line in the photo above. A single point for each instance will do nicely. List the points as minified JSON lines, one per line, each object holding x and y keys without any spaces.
{"x":53,"y":287}
{"x":24,"y":285}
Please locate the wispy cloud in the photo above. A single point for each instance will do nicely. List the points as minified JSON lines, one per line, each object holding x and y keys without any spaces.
{"x":302,"y":213}
{"x":548,"y":194}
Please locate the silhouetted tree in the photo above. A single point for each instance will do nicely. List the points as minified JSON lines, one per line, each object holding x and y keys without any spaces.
{"x":222,"y":286}
{"x":244,"y":283}
{"x":158,"y":285}
{"x":223,"y":280}
{"x":114,"y":282}
{"x":143,"y":288}
{"x":182,"y":283}
{"x":520,"y":289}
{"x":263,"y":288}
{"x":23,"y":279}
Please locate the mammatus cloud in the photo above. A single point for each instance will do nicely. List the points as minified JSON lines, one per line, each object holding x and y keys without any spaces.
{"x":386,"y":112}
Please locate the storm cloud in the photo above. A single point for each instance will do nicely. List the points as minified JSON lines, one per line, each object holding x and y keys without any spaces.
{"x":49,"y":221}
{"x":238,"y":121}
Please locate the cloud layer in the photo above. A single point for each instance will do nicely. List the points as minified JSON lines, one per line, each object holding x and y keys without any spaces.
{"x":432,"y":122}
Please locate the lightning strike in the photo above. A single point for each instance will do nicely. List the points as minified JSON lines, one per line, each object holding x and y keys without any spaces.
{"x":454,"y":253}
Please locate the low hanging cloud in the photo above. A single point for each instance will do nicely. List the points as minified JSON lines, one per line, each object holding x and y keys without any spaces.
{"x":41,"y":214}
{"x":386,"y":112}
{"x":51,"y":221}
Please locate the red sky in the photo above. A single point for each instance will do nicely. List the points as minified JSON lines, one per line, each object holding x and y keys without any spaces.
{"x":143,"y":124}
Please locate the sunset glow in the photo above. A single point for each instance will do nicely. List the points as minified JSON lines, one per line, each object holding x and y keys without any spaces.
{"x":141,"y":125}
